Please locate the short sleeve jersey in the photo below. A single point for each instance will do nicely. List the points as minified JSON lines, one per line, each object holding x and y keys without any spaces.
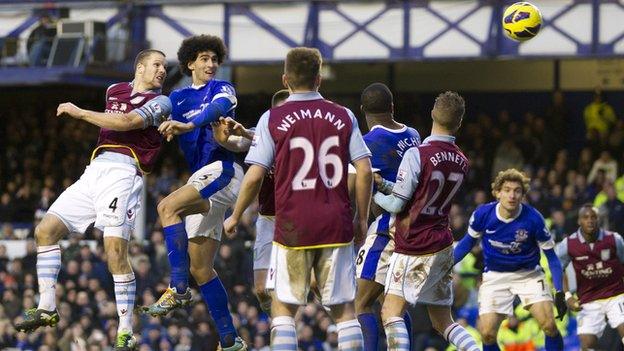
{"x":310,"y":141}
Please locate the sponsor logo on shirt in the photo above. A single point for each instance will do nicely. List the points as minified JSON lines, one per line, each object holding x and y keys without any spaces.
{"x":401,"y":175}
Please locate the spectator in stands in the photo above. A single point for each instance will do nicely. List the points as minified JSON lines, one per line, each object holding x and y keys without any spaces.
{"x":6,"y":208}
{"x":605,"y":163}
{"x":557,"y":117}
{"x":612,"y":208}
{"x":599,"y":116}
{"x":40,"y":41}
{"x":508,"y":155}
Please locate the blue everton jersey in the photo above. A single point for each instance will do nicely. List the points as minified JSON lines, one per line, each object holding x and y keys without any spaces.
{"x":512,"y":244}
{"x":387,"y":147}
{"x":198,"y":145}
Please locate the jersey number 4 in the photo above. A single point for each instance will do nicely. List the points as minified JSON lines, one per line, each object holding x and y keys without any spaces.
{"x":433,"y":205}
{"x":324,"y":158}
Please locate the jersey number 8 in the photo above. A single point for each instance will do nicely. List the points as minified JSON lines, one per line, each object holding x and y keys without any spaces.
{"x":325,"y":158}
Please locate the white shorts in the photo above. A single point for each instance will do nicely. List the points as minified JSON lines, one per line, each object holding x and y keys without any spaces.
{"x":373,"y":259}
{"x":422,"y":279}
{"x":265,"y":228}
{"x":498,"y":290}
{"x":219,"y":183}
{"x":290,"y":272}
{"x":591,"y":317}
{"x":108,"y":193}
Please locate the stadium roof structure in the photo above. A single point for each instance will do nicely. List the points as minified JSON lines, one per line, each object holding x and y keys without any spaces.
{"x":381,"y":31}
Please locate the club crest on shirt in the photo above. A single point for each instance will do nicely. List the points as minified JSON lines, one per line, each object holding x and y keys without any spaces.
{"x":521,"y":235}
{"x":397,"y":276}
{"x":605,"y":254}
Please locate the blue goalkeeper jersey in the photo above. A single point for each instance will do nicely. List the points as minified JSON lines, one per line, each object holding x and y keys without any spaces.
{"x":198,"y":145}
{"x":387,"y":147}
{"x":513,"y":244}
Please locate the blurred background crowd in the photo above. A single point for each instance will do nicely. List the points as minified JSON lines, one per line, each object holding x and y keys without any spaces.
{"x":572,"y":151}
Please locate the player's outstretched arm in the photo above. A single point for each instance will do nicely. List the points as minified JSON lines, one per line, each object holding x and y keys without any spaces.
{"x":232,"y":135}
{"x":557,"y":277}
{"x":390,"y":203}
{"x":363,"y":189}
{"x":555,"y":269}
{"x":464,"y":246}
{"x":150,"y":114}
{"x":113,"y":121}
{"x":217,"y":108}
{"x":248,"y":192}
{"x":383,"y":185}
{"x":571,"y":300}
{"x":406,"y":182}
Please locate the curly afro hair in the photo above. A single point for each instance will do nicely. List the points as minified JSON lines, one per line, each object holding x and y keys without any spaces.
{"x":192,"y":46}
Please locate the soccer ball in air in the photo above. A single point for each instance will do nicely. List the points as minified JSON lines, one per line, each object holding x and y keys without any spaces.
{"x":522,"y":21}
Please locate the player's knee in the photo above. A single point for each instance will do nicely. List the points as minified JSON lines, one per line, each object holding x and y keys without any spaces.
{"x":550,"y":328}
{"x":45,"y":234}
{"x":362,"y":305}
{"x":260,"y":289}
{"x":440,"y":326}
{"x":42,"y":235}
{"x":488,"y":335}
{"x":387,"y":313}
{"x":166,"y":208}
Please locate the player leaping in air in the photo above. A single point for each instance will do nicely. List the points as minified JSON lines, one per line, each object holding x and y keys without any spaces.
{"x":597,"y":256}
{"x":109,"y":191}
{"x":388,"y":141}
{"x":512,"y":234}
{"x":209,"y":192}
{"x":420,"y":267}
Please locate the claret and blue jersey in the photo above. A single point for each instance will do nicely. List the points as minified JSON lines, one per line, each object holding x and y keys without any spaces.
{"x":512,"y":244}
{"x":198,"y":145}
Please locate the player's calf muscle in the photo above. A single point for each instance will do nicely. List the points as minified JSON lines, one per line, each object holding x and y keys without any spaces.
{"x":117,"y":255}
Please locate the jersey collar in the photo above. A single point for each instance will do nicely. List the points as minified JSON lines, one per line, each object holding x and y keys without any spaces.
{"x":400,"y":130}
{"x":507,"y":220}
{"x":582,"y":238}
{"x":150,"y":91}
{"x":440,"y":137}
{"x":312,"y":95}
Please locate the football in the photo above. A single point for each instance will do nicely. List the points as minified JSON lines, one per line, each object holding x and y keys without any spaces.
{"x":522,"y":21}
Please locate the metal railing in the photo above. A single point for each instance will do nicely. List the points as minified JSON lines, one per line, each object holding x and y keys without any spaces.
{"x":63,"y":50}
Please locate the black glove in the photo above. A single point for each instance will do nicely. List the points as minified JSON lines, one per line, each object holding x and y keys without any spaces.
{"x":560,"y":304}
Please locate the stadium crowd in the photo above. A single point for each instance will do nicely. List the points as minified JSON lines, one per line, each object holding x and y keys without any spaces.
{"x":42,"y":155}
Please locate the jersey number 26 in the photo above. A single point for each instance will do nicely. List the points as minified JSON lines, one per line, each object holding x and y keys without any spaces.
{"x":324,"y":158}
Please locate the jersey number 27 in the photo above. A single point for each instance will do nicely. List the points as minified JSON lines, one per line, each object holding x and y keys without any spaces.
{"x":433,"y":204}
